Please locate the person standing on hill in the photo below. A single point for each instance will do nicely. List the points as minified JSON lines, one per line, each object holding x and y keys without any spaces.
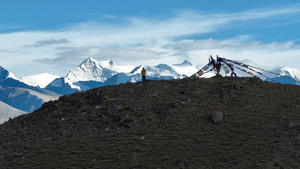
{"x":218,"y":65}
{"x":143,"y":74}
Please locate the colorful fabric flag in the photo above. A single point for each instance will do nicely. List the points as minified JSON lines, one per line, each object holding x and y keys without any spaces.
{"x":206,"y":68}
{"x":246,"y":66}
{"x":226,"y":69}
{"x":200,"y":72}
{"x":213,"y":61}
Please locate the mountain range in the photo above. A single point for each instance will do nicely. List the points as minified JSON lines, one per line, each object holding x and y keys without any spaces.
{"x":92,"y":73}
{"x":24,"y":95}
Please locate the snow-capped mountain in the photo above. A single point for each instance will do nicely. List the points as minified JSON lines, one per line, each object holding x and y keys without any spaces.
{"x":174,"y":71}
{"x":89,"y":74}
{"x":160,"y":70}
{"x":5,"y":74}
{"x":92,"y":73}
{"x":185,"y":68}
{"x":286,"y":75}
{"x":287,"y":71}
{"x":40,"y":80}
{"x":7,"y":112}
{"x":62,"y":86}
{"x":19,"y":95}
{"x":93,"y":70}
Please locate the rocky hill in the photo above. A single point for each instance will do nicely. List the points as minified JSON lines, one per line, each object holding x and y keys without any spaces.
{"x":161,"y":124}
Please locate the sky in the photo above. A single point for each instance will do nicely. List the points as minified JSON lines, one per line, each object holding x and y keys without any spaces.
{"x":55,"y":36}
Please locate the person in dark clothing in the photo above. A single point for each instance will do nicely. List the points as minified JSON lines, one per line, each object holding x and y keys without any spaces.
{"x":218,"y":65}
{"x":143,"y":74}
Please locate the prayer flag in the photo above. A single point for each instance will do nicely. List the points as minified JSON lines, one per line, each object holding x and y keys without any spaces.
{"x":200,"y":72}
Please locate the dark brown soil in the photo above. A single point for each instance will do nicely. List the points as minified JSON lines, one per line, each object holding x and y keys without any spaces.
{"x":161,"y":124}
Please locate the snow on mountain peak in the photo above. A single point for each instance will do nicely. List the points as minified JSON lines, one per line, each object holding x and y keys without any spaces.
{"x":185,"y":68}
{"x":93,"y":70}
{"x":41,"y":80}
{"x":184,"y":63}
{"x":294,"y":73}
{"x":90,"y":62}
{"x":4,"y":74}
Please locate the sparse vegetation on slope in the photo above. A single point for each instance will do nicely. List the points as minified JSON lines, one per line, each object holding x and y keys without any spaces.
{"x":161,"y":124}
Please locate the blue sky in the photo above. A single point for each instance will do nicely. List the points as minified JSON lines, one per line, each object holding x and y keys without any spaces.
{"x":56,"y":36}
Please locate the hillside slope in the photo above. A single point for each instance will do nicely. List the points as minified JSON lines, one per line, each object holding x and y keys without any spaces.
{"x":160,"y":124}
{"x":7,"y":112}
{"x":25,"y":99}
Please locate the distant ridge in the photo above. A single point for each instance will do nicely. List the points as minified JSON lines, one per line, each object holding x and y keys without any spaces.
{"x":8,"y":112}
{"x":92,"y":74}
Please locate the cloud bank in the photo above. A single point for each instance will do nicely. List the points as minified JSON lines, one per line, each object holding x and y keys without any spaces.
{"x":189,"y":35}
{"x":50,"y":42}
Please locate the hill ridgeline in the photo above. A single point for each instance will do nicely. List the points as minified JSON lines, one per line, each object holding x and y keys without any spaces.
{"x":186,"y":123}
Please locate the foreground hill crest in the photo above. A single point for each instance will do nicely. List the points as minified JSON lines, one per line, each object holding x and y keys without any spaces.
{"x":160,"y":124}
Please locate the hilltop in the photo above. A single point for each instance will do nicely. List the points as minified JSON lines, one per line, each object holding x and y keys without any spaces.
{"x":160,"y":124}
{"x":30,"y":92}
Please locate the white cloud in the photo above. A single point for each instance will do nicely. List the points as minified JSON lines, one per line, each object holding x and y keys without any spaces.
{"x":232,"y":44}
{"x":144,"y":41}
{"x":42,"y":43}
{"x":268,"y":55}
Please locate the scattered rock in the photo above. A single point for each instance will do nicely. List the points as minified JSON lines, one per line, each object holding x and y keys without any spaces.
{"x":216,"y":117}
{"x":293,"y":125}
